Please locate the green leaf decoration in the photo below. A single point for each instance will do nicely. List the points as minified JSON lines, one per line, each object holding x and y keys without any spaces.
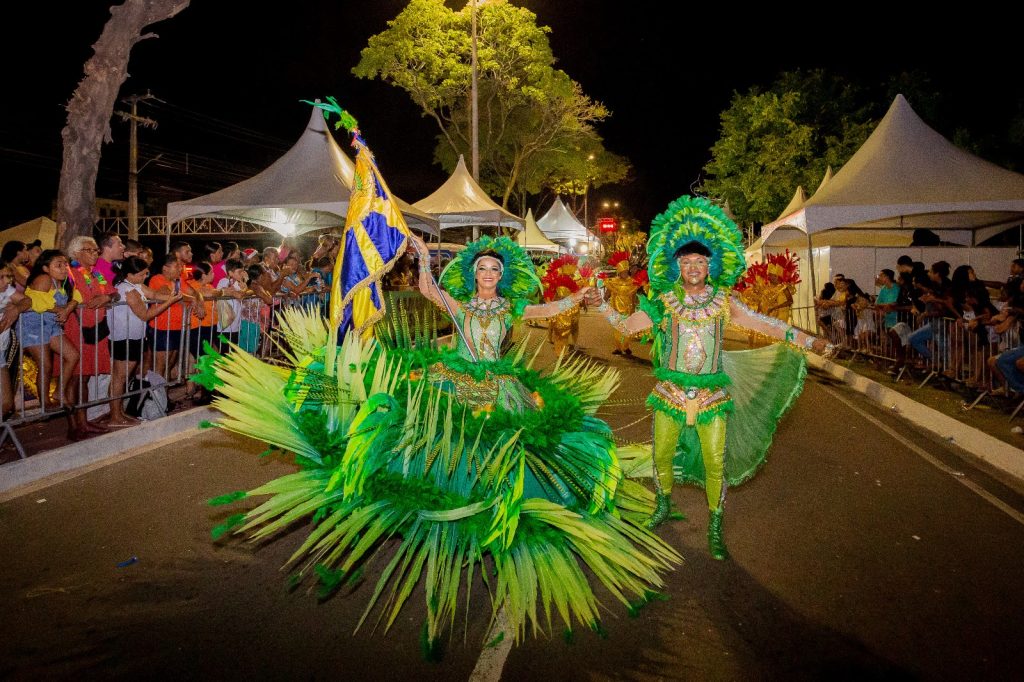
{"x":227,"y":499}
{"x":232,"y":522}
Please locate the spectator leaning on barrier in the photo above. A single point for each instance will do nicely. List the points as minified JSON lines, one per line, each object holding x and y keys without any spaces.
{"x":890,"y":300}
{"x":12,"y":304}
{"x":938,"y":303}
{"x":255,"y":311}
{"x":54,"y":300}
{"x":167,"y":326}
{"x":87,"y":328}
{"x":234,"y":280}
{"x":128,"y":330}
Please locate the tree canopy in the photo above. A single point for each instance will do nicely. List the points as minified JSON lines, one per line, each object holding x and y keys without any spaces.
{"x":772,"y":141}
{"x":533,"y":118}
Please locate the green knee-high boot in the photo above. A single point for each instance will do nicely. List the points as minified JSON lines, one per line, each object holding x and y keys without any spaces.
{"x":716,"y":545}
{"x":666,"y":436}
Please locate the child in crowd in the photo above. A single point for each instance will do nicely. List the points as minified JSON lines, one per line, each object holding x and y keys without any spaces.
{"x":253,"y":320}
{"x":41,"y":333}
{"x":229,"y":318}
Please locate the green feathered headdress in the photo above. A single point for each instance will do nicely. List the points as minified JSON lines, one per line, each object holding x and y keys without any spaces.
{"x":518,"y":279}
{"x":694,"y":219}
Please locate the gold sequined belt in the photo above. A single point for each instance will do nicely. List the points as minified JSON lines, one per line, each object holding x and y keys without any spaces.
{"x":691,"y":401}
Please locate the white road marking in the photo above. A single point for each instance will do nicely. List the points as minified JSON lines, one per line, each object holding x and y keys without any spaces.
{"x":492,"y":659}
{"x":957,"y":475}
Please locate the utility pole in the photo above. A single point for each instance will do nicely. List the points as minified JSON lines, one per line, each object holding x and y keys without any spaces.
{"x":133,"y":159}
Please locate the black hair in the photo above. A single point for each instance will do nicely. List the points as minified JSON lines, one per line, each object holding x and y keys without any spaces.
{"x":133,"y":245}
{"x":254,"y":272}
{"x":1019,"y":262}
{"x":210,"y":248}
{"x":905,"y":260}
{"x":231,"y":247}
{"x":828,"y":290}
{"x":690,"y":248}
{"x":232,"y":264}
{"x":68,"y":285}
{"x":130,"y":265}
{"x":177,"y":246}
{"x":10,"y":250}
{"x":165,"y":259}
{"x":199,"y":269}
{"x":489,"y":253}
{"x":941,"y":268}
{"x":890,"y":274}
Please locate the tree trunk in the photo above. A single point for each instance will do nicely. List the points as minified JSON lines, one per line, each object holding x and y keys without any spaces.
{"x":91,"y":107}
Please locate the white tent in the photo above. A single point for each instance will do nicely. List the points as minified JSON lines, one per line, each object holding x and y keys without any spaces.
{"x":908,"y":176}
{"x":904,"y":177}
{"x":41,"y":228}
{"x":306,"y":189}
{"x":460,"y":201}
{"x":532,"y":239}
{"x":559,"y":224}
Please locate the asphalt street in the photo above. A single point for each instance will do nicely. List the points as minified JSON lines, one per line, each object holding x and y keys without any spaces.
{"x":865,"y":549}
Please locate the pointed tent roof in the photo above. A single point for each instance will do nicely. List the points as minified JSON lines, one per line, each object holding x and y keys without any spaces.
{"x":308,"y":187}
{"x":560,"y":223}
{"x":799,"y":197}
{"x":824,"y":181}
{"x":41,"y":228}
{"x":907,"y":176}
{"x":461,"y":201}
{"x":531,"y":238}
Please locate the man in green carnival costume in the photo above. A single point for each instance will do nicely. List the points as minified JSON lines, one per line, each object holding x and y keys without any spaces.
{"x":696,"y":256}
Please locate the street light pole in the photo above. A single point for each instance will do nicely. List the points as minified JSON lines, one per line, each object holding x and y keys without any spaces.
{"x":475,"y":124}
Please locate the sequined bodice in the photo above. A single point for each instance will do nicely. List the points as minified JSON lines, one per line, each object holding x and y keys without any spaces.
{"x":485,"y":323}
{"x":693,"y":328}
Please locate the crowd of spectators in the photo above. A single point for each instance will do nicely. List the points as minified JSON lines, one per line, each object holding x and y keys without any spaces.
{"x":946,"y":322}
{"x":107,"y":308}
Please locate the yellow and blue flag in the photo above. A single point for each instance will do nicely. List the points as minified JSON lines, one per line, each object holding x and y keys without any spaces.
{"x":375,"y":237}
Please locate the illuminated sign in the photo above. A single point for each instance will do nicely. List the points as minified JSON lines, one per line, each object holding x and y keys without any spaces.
{"x":607,"y":225}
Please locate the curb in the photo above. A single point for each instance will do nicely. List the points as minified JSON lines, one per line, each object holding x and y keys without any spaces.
{"x":46,"y":468}
{"x":989,"y":449}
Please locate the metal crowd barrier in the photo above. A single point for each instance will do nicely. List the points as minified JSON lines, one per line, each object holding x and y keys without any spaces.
{"x":24,"y":381}
{"x":20,"y":388}
{"x":958,"y":351}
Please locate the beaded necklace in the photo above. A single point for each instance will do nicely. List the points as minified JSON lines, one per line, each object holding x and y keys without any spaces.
{"x":487,"y":309}
{"x":88,"y":278}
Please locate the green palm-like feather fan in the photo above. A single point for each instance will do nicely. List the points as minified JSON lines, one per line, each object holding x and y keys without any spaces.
{"x":400,"y":459}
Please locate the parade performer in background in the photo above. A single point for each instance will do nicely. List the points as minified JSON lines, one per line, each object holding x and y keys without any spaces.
{"x":622,"y":291}
{"x":477,"y":464}
{"x":696,"y":257}
{"x":563,"y":278}
{"x":768,"y":287}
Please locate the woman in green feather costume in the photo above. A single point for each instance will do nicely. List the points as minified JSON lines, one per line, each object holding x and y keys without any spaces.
{"x":467,"y":456}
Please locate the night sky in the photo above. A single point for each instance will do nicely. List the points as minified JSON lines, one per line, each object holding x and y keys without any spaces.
{"x":229,"y":75}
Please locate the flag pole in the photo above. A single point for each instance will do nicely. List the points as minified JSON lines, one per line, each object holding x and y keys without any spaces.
{"x":444,"y":301}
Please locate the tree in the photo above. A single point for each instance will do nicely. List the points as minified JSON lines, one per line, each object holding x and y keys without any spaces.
{"x":529,"y":112}
{"x":92,"y":105}
{"x":772,"y":141}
